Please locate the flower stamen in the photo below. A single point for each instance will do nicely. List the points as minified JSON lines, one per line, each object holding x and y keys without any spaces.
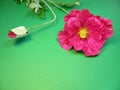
{"x":83,"y":33}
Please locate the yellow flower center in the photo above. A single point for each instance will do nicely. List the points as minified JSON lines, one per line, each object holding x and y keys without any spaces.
{"x":83,"y":32}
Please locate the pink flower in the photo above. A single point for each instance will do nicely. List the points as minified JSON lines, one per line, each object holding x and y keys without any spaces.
{"x":85,"y":32}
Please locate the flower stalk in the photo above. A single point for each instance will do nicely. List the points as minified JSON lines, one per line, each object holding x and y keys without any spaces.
{"x":36,"y":5}
{"x":48,"y":22}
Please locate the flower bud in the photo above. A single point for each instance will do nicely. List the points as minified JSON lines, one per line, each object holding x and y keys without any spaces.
{"x":17,"y":32}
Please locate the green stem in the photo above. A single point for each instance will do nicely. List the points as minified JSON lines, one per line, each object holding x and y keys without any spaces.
{"x":76,"y":2}
{"x":58,"y":6}
{"x":48,"y":22}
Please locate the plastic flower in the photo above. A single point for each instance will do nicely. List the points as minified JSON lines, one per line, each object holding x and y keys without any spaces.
{"x":85,"y":32}
{"x":17,"y":32}
{"x":35,"y":4}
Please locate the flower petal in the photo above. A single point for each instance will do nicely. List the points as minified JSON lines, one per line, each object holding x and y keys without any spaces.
{"x":92,"y":47}
{"x":83,"y":16}
{"x":12,"y":34}
{"x":78,"y":44}
{"x":73,"y":13}
{"x":107,"y":30}
{"x":71,"y":30}
{"x":63,"y":40}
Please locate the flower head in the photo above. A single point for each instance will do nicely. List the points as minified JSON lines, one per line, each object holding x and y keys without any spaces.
{"x":34,"y":4}
{"x":85,"y":32}
{"x":17,"y":32}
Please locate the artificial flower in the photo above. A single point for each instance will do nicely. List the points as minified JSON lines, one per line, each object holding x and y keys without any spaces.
{"x":34,"y":4}
{"x":17,"y":32}
{"x":85,"y":32}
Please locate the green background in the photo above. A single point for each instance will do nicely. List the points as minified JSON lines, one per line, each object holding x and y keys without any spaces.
{"x":37,"y":62}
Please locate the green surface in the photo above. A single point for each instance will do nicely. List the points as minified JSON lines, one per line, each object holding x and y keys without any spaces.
{"x":37,"y":62}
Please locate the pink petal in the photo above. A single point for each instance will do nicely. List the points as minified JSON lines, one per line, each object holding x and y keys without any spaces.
{"x":78,"y":45}
{"x":71,"y":30}
{"x":73,"y":22}
{"x":12,"y":34}
{"x":107,"y":30}
{"x":63,"y":40}
{"x":76,"y":42}
{"x":92,"y":47}
{"x":73,"y":13}
{"x":93,"y":23}
{"x":84,"y":15}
